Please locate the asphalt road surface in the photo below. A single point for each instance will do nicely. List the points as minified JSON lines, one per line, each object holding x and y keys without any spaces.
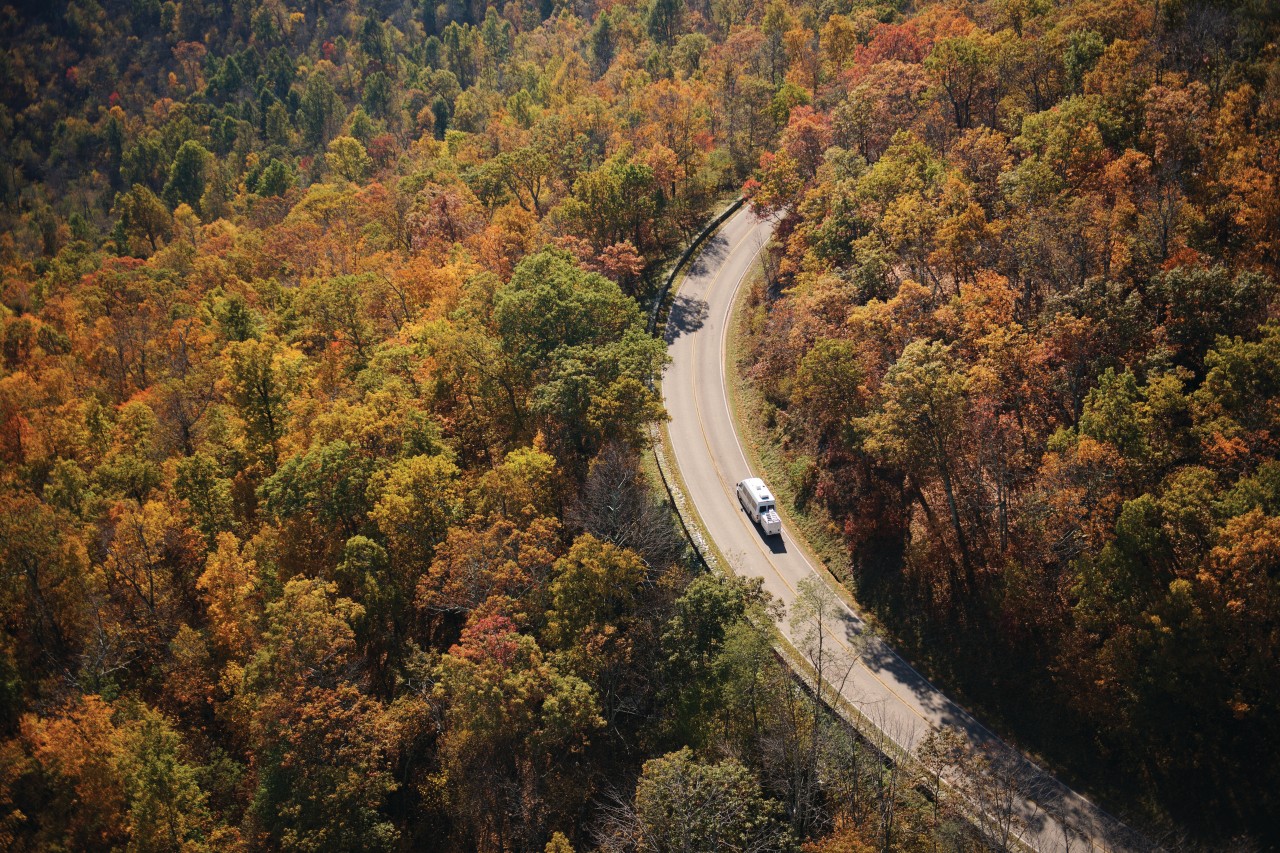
{"x":884,"y":687}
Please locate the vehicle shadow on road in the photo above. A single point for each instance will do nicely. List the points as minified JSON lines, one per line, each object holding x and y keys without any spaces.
{"x":775,"y":543}
{"x":687,"y":316}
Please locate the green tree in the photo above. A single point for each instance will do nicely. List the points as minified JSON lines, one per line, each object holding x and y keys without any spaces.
{"x":261,"y":376}
{"x":415,"y":501}
{"x":188,"y":175}
{"x":602,"y":41}
{"x":664,"y":20}
{"x":324,"y":750}
{"x":321,"y":113}
{"x":338,"y":309}
{"x":523,"y":487}
{"x":374,"y":41}
{"x":594,"y":394}
{"x":595,"y":590}
{"x":1084,"y":49}
{"x":527,"y":172}
{"x":144,"y":216}
{"x":961,"y":65}
{"x":920,"y":426}
{"x":362,"y":127}
{"x":277,"y":126}
{"x":44,"y":566}
{"x":309,"y":641}
{"x":580,"y":341}
{"x":199,"y":482}
{"x":276,"y":179}
{"x":461,"y":49}
{"x":328,"y":483}
{"x":144,"y":163}
{"x":167,"y":809}
{"x":497,"y":35}
{"x":1113,"y":413}
{"x":1200,"y":304}
{"x":377,"y":94}
{"x":1237,"y":400}
{"x":695,"y":665}
{"x":826,"y":393}
{"x":615,"y":203}
{"x":129,"y":467}
{"x":551,"y":303}
{"x":684,"y":805}
{"x":347,"y":157}
{"x":774,"y":26}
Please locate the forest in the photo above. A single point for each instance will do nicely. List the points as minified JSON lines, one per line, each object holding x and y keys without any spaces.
{"x":326,"y":518}
{"x":1020,"y":340}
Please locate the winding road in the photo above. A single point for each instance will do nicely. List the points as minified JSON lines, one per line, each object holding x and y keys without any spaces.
{"x":899,"y":701}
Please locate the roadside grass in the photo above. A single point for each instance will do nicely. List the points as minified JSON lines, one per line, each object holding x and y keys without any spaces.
{"x":764,"y":444}
{"x":715,"y":558}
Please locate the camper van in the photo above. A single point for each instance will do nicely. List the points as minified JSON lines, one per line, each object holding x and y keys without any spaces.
{"x":756,"y":499}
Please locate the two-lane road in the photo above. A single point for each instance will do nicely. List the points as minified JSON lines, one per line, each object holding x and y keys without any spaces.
{"x":901,"y":702}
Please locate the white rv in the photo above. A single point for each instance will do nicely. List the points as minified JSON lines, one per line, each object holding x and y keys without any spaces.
{"x":756,"y":499}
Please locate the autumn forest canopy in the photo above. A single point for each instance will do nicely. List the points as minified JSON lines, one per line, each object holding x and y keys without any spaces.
{"x":327,"y":520}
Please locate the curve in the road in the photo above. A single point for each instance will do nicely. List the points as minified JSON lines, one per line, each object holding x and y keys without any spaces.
{"x":885,"y":689}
